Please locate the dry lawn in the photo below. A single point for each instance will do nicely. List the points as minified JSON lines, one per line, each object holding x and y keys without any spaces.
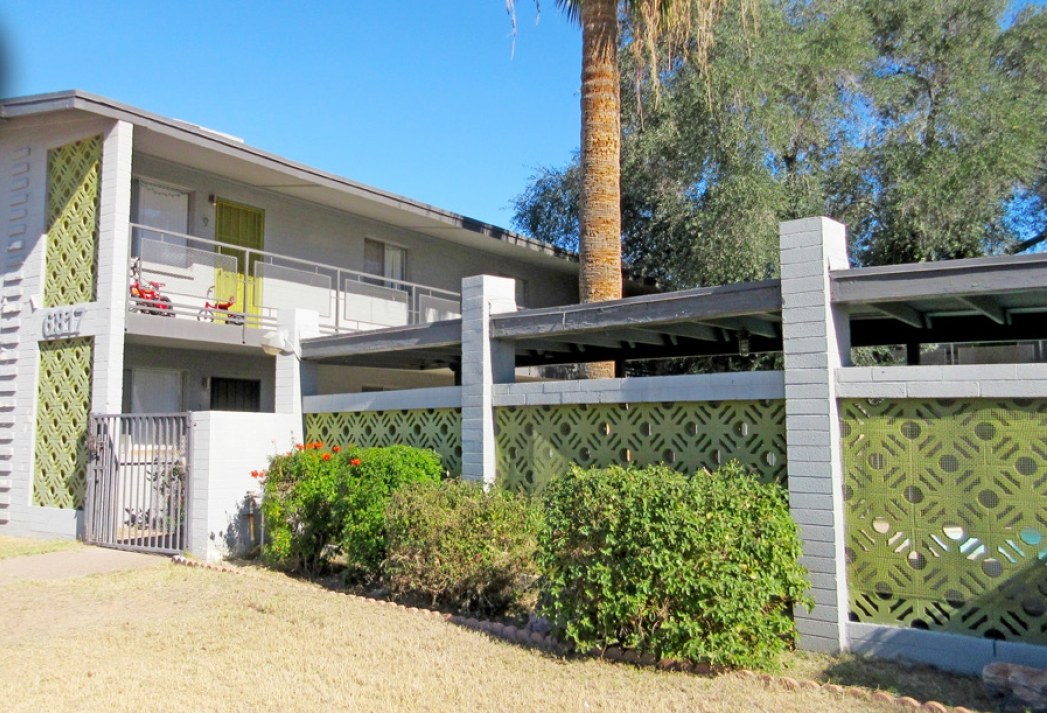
{"x":175,"y":638}
{"x":19,"y":546}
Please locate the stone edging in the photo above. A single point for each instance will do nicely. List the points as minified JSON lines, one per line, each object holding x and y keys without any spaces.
{"x":548,"y":643}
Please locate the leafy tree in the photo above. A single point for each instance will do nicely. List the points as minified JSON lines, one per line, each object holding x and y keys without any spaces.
{"x":918,"y":124}
{"x":599,"y":211}
{"x":956,"y":130}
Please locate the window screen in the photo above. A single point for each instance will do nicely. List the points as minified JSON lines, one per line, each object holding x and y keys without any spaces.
{"x":235,"y":394}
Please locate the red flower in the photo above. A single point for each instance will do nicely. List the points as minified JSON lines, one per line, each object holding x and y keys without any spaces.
{"x":298,"y":446}
{"x":337,"y":449}
{"x":257,"y":473}
{"x":354,"y":461}
{"x":326,"y":456}
{"x":318,"y":444}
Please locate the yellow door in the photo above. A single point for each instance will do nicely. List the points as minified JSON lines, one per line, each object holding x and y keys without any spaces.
{"x":239,"y":226}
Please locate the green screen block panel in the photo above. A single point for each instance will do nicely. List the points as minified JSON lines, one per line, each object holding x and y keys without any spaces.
{"x":946,"y":505}
{"x":64,"y":394}
{"x":73,"y":174}
{"x":436,"y":429}
{"x":538,"y":443}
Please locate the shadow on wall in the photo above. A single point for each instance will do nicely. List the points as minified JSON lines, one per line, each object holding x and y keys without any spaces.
{"x":242,"y":536}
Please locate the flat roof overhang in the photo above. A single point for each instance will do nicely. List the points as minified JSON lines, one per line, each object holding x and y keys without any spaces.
{"x":981,"y":300}
{"x":989,"y":299}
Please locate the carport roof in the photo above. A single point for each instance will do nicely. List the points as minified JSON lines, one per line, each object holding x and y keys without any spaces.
{"x":983,"y":299}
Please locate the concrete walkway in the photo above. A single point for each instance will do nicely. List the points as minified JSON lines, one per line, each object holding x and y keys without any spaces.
{"x":70,"y":564}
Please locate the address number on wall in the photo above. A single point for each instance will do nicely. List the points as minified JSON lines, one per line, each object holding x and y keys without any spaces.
{"x":62,"y":322}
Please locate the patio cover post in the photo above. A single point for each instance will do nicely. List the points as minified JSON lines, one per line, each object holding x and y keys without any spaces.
{"x":484,"y":363}
{"x":816,"y":342}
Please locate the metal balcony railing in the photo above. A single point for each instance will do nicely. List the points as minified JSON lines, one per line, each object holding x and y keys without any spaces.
{"x":214,"y":282}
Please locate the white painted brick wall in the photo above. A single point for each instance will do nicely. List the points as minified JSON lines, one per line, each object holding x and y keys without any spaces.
{"x":107,"y":320}
{"x":943,"y":382}
{"x":23,"y":188}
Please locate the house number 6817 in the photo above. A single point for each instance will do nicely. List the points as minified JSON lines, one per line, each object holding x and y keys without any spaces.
{"x":62,"y":322}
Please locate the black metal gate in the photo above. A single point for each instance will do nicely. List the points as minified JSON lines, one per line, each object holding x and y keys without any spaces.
{"x":138,"y":482}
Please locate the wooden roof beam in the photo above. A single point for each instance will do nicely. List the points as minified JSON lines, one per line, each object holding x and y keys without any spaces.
{"x":902,"y":312}
{"x":986,"y":305}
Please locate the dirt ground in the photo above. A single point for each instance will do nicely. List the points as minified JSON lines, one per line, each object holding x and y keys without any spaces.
{"x":171,"y":637}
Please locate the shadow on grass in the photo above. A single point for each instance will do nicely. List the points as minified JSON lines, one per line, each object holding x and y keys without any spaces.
{"x":919,"y":681}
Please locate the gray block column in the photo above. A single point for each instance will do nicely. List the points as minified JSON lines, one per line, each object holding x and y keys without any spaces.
{"x":484,"y":363}
{"x":294,"y":378}
{"x":816,"y":341}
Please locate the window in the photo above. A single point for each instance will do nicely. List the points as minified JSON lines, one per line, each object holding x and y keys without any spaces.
{"x":166,"y":211}
{"x":385,"y":260}
{"x":157,"y":391}
{"x":236,"y":394}
{"x":161,"y":207}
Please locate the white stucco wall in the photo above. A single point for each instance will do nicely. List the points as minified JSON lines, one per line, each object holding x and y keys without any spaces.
{"x":226,"y":447}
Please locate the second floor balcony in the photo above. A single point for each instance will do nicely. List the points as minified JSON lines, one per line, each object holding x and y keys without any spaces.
{"x":180,"y":276}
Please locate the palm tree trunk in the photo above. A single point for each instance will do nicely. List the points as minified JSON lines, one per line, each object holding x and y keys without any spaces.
{"x":600,"y":248}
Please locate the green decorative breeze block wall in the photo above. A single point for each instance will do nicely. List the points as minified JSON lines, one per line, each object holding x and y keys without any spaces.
{"x":537,"y":443}
{"x":73,"y":173}
{"x":438,"y":429}
{"x":946,"y":505}
{"x":64,"y":396}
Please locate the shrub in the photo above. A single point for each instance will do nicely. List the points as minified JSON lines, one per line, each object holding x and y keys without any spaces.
{"x":373,"y":476}
{"x":299,"y":491}
{"x":456,"y":545}
{"x":702,"y":568}
{"x":314,"y":499}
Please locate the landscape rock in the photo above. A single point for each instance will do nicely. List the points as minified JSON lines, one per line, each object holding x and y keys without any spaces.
{"x":1016,"y":688}
{"x":539,"y":624}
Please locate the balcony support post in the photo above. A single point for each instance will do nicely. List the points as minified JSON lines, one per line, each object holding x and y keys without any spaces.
{"x":295,"y":378}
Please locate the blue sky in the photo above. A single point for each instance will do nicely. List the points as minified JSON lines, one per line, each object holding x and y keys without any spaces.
{"x":424,"y":99}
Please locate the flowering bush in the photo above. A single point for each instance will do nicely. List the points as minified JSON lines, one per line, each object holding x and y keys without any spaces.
{"x":313,"y":499}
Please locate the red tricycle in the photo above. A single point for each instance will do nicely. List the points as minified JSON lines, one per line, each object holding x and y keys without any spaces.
{"x":207,"y":314}
{"x":148,"y":300}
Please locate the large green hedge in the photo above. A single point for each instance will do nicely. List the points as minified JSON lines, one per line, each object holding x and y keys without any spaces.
{"x":701,"y":568}
{"x":458,"y":546}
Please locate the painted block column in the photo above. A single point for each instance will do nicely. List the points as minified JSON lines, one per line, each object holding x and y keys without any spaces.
{"x":816,"y":341}
{"x":294,"y":379}
{"x":484,"y":363}
{"x":114,"y":251}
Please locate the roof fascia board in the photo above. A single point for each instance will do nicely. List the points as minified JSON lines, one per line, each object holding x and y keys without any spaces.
{"x":977,"y":276}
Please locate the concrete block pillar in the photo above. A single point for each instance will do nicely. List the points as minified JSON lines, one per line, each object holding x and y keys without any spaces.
{"x":114,"y":251}
{"x":484,"y":363}
{"x":816,"y":341}
{"x":294,"y":378}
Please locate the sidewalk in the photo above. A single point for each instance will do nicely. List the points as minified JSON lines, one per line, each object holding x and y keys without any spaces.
{"x":71,"y":564}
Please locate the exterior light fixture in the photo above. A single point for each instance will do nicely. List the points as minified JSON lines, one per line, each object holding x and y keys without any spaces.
{"x":743,"y":343}
{"x":275,"y":343}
